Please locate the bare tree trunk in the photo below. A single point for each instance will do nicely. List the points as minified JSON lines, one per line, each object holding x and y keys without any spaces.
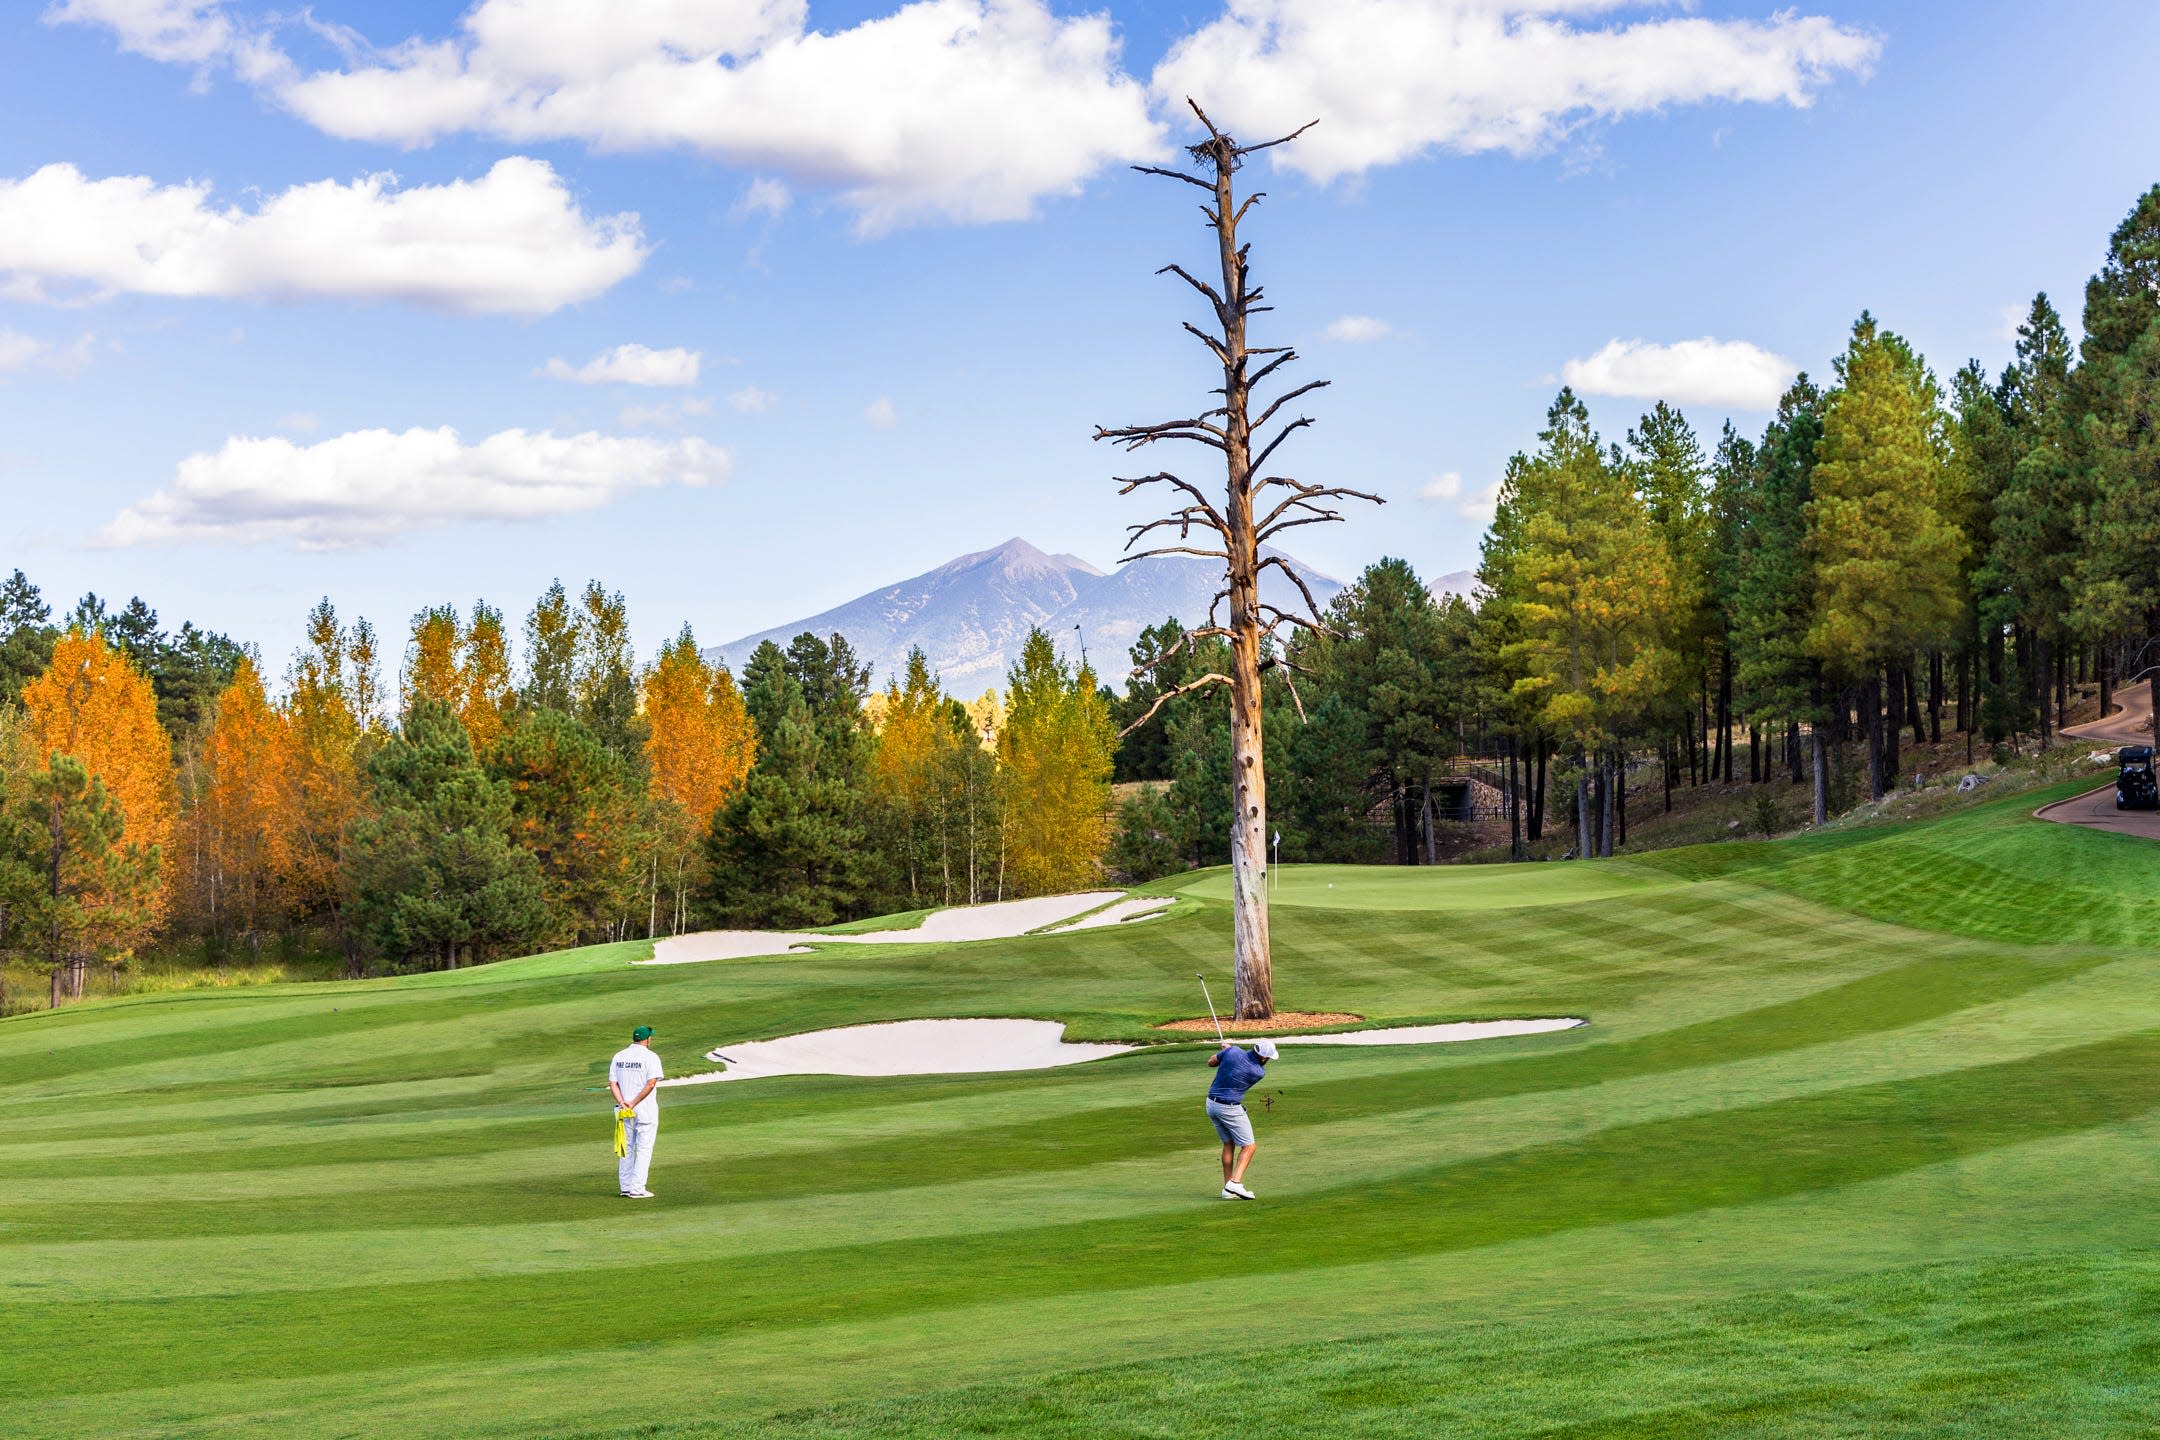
{"x":1239,"y":525}
{"x":1585,"y":842}
{"x":1871,"y":701}
{"x":1514,"y":813}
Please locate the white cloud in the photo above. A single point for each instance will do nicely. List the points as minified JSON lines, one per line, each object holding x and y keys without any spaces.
{"x":970,"y":110}
{"x":1447,"y":489}
{"x":187,"y":32}
{"x":752,"y":401}
{"x":630,"y":365}
{"x":765,"y":197}
{"x":1729,"y":373}
{"x":370,"y":486}
{"x":880,"y":414}
{"x":19,"y":352}
{"x":511,"y":242}
{"x":1390,"y":80}
{"x":1357,"y":329}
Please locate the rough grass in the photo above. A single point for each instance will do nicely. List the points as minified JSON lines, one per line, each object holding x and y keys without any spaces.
{"x":1860,"y":1141}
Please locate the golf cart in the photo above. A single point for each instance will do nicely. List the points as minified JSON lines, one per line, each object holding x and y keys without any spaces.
{"x":2135,"y":787}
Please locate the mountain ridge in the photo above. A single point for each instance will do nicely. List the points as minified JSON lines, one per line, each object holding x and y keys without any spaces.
{"x":971,"y":614}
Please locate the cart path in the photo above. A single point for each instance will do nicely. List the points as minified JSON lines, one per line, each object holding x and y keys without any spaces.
{"x":2131,"y":724}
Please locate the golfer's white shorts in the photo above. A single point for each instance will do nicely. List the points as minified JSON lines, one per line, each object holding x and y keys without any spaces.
{"x":1231,"y":1122}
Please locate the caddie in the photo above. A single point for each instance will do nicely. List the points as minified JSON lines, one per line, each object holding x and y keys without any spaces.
{"x":634,"y":1076}
{"x":1236,"y":1071}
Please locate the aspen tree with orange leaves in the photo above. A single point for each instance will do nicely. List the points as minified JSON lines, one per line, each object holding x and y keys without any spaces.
{"x":241,"y":828}
{"x":95,"y":708}
{"x":699,"y":744}
{"x":92,"y":703}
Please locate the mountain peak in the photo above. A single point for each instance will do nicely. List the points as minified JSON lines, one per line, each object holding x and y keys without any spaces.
{"x":971,"y":614}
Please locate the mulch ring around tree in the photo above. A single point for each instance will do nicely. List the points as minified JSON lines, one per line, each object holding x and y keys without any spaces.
{"x":1280,"y":1021}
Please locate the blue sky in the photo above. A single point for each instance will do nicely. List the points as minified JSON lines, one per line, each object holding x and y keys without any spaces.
{"x":915,"y":278}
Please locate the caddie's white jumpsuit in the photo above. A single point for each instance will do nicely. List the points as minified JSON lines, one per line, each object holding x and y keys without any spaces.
{"x":629,"y":1071}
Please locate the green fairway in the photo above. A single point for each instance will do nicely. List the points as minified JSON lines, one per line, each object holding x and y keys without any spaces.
{"x":1460,"y":887}
{"x":1861,"y":1140}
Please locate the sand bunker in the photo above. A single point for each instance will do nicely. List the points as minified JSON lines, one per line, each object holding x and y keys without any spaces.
{"x":1437,"y":1034}
{"x":906,"y":1047}
{"x":1005,"y":920}
{"x":974,"y":1047}
{"x":1125,"y":912}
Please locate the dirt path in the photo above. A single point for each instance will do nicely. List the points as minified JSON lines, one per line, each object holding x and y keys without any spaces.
{"x":2131,"y":724}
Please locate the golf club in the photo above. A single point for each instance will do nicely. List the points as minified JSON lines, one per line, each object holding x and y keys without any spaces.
{"x":1211,"y":1008}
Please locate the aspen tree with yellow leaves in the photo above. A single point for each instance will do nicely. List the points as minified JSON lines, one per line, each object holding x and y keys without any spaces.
{"x":699,"y":744}
{"x":240,"y":829}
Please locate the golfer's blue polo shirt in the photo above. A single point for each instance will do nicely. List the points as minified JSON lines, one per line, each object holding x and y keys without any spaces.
{"x":1235,"y":1073}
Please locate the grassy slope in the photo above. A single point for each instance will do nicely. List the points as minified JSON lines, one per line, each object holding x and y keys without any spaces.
{"x":1808,"y":1173}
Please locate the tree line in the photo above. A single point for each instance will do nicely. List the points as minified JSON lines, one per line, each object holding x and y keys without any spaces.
{"x":497,"y":798}
{"x":1887,"y":556}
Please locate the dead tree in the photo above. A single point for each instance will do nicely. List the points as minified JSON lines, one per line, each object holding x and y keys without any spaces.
{"x":1256,"y":507}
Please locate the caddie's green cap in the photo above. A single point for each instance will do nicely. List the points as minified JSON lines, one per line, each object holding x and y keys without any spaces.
{"x":643,"y":1032}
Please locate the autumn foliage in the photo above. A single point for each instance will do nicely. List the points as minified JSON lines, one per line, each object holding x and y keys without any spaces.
{"x":93,"y":704}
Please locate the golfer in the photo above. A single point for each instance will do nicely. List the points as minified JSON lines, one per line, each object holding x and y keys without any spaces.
{"x":633,"y":1076}
{"x":1236,"y":1071}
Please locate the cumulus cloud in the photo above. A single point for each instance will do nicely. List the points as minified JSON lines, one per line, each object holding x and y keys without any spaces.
{"x":970,"y":110}
{"x":370,"y":486}
{"x":1357,"y":329}
{"x":752,"y":401}
{"x":630,"y":365}
{"x":1391,"y":80}
{"x":513,"y":241}
{"x":880,"y":414}
{"x":1447,"y":489}
{"x":1730,"y":373}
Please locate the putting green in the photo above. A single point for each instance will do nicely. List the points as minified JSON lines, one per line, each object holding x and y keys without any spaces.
{"x":1441,"y":887}
{"x":1809,"y":1172}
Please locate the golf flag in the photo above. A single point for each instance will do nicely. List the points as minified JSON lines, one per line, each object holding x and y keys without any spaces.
{"x":622,"y":1138}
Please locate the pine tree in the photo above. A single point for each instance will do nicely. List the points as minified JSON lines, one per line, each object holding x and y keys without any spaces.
{"x":26,"y":637}
{"x":432,"y":871}
{"x":1885,"y":547}
{"x":2114,"y":400}
{"x":1773,"y":590}
{"x":790,"y":847}
{"x":574,"y":811}
{"x":78,"y":887}
{"x":2032,"y":530}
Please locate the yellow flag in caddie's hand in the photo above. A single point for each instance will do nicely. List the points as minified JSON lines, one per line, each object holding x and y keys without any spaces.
{"x":622,"y":1138}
